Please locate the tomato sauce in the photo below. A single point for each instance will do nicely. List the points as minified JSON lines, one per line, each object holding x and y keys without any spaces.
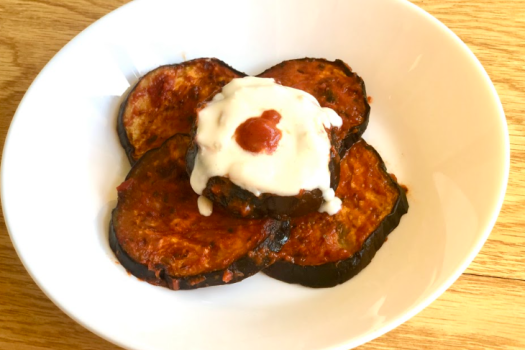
{"x":260,"y":134}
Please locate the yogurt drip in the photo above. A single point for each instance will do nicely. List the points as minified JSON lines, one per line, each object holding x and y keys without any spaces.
{"x":300,"y":160}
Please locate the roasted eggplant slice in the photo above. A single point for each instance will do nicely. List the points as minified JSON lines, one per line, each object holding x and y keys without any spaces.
{"x":163,"y":102}
{"x":159,"y":236}
{"x":335,"y":86}
{"x":243,"y":203}
{"x":324,"y":250}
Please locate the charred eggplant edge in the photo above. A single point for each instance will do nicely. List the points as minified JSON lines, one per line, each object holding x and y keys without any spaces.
{"x":121,"y":129}
{"x":334,"y":273}
{"x":240,"y":269}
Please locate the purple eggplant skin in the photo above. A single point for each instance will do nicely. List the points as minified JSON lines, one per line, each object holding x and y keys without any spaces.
{"x":241,"y":269}
{"x":334,"y":273}
{"x":129,"y":149}
{"x":243,"y":203}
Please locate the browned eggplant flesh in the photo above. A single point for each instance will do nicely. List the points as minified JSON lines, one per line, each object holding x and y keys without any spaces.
{"x":158,"y":234}
{"x":325,"y":250}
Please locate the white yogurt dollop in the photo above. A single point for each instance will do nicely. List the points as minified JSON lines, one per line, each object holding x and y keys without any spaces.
{"x":301,"y":158}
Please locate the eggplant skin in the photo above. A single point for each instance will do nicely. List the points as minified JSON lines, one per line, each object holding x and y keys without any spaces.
{"x":288,"y":266}
{"x":158,"y":234}
{"x":163,"y":102}
{"x":243,"y":203}
{"x":335,"y":86}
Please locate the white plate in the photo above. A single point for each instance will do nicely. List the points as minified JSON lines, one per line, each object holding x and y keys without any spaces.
{"x":436,"y":119}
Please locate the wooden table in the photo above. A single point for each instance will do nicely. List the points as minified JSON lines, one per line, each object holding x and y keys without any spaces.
{"x":484,"y":309}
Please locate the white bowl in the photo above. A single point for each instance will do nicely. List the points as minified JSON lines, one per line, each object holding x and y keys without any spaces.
{"x":436,"y":120}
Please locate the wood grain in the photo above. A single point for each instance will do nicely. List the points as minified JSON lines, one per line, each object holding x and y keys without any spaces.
{"x":495,"y":32}
{"x":475,"y":313}
{"x":484,"y":309}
